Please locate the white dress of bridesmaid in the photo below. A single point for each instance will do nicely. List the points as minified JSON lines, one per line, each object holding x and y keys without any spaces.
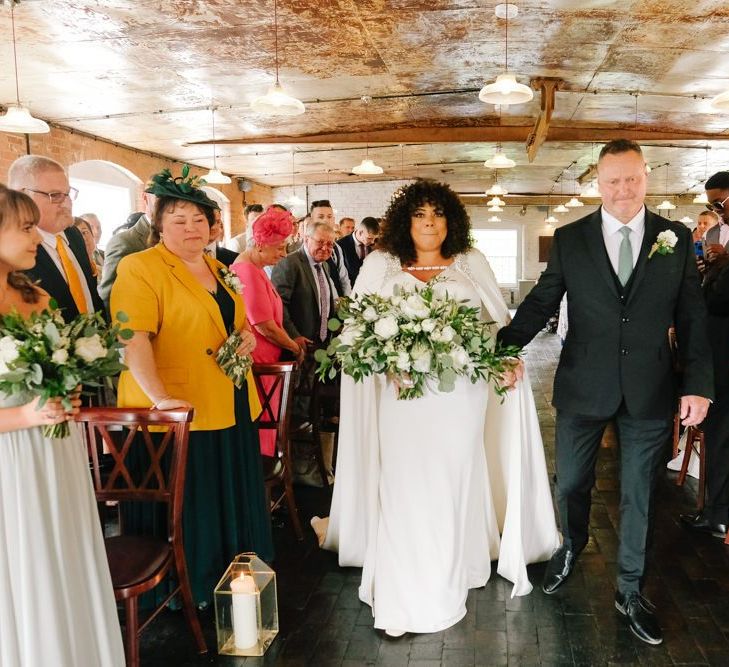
{"x":56,"y":599}
{"x":429,"y":491}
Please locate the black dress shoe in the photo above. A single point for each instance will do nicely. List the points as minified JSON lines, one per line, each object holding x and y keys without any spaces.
{"x":641,"y":617}
{"x":701,"y":524}
{"x":558,"y":569}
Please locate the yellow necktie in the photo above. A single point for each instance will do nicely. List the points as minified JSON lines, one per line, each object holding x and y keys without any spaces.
{"x":74,"y":282}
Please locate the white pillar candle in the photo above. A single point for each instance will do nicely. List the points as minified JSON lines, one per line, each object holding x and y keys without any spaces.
{"x":245,"y":614}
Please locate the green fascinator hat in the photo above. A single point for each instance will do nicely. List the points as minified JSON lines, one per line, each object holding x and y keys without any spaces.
{"x":181,"y":187}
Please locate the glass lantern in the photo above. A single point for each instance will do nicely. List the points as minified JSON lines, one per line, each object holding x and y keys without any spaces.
{"x":246,"y":607}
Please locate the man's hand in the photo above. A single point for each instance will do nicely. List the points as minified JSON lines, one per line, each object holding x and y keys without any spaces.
{"x":693,"y":410}
{"x":714,"y":251}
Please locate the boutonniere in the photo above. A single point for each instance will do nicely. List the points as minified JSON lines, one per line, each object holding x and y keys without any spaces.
{"x":664,"y":244}
{"x":230,"y":280}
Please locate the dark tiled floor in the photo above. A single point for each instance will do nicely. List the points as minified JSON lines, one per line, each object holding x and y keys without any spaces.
{"x":323,"y":622}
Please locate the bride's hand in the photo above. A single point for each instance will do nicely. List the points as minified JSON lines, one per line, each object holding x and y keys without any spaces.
{"x":52,"y":411}
{"x":513,"y":374}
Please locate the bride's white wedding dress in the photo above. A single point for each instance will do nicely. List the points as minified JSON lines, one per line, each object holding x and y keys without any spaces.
{"x":429,"y":491}
{"x":56,"y":599}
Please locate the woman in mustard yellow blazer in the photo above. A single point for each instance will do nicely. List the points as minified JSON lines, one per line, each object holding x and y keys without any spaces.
{"x":182,"y":305}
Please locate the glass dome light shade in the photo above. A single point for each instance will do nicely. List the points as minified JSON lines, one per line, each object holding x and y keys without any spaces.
{"x":495,"y":201}
{"x":367,"y":168}
{"x":495,"y":190}
{"x":574,"y":203}
{"x":277,"y":103}
{"x":700,"y":198}
{"x":499,"y":161}
{"x":217,"y":177}
{"x":666,"y":205}
{"x":495,"y":209}
{"x":494,"y":218}
{"x":506,"y":90}
{"x":551,"y":220}
{"x":18,"y":119}
{"x":561,"y":209}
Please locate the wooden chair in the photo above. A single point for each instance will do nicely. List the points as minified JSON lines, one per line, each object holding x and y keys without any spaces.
{"x":694,"y":438}
{"x":139,"y":563}
{"x":274,"y":382}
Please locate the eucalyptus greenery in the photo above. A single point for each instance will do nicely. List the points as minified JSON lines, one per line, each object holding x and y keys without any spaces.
{"x":417,"y":337}
{"x":42,"y":355}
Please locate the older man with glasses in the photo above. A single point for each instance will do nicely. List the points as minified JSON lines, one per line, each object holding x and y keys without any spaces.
{"x":62,"y":266}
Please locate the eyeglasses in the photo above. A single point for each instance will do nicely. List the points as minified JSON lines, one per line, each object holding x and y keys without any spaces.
{"x":717,"y":206}
{"x":56,"y":197}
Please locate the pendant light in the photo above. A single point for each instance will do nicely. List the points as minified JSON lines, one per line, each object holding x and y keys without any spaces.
{"x":294,"y":200}
{"x":574,"y":203}
{"x":666,"y":205}
{"x":561,"y":209}
{"x":550,"y":220}
{"x":499,"y":161}
{"x":506,"y":90}
{"x":494,"y":218}
{"x":367,"y":167}
{"x":215,"y":176}
{"x":495,"y":209}
{"x":496,"y":190}
{"x":495,"y":201}
{"x":686,"y":220}
{"x":701,"y":198}
{"x":276,"y":102}
{"x":18,"y":118}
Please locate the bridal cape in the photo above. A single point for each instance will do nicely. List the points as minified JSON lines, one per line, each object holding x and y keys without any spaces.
{"x":516,"y":470}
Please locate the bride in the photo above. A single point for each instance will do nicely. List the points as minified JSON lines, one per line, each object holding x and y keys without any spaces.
{"x":56,"y":598}
{"x":429,"y":491}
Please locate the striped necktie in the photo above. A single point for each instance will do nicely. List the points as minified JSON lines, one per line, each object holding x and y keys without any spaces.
{"x":72,"y":277}
{"x":323,"y":302}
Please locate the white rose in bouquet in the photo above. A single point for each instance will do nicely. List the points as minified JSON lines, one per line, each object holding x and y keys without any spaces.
{"x":369,"y":314}
{"x":459,"y":357}
{"x":386,"y":327}
{"x":445,"y":335}
{"x":59,"y":357}
{"x":90,"y":348}
{"x":8,"y":352}
{"x":414,"y":307}
{"x":421,"y":358}
{"x":350,"y":335}
{"x":428,"y":325}
{"x":403,"y":361}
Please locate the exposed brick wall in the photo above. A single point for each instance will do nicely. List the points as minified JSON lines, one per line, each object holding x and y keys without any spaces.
{"x":70,"y":147}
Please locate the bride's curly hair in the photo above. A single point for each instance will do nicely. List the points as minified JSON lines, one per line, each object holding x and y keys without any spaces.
{"x":395,"y":235}
{"x":15,"y":205}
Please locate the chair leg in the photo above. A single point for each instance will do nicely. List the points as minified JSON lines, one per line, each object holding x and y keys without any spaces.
{"x":291,"y":504}
{"x":701,"y":500}
{"x":131,"y":631}
{"x":690,"y":436}
{"x":187,"y":603}
{"x":676,"y":433}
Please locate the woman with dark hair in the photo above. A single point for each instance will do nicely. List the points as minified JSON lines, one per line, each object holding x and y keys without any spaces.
{"x":182,"y":305}
{"x":84,"y":226}
{"x":54,"y":576}
{"x":425,"y":486}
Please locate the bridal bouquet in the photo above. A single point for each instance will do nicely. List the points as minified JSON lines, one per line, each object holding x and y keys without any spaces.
{"x":234,"y":365}
{"x":44,"y":356}
{"x":414,"y":336}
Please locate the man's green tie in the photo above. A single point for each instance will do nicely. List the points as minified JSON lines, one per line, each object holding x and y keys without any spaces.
{"x":625,"y":257}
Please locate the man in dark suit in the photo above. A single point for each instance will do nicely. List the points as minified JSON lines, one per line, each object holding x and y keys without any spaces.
{"x":714,"y":518}
{"x":220,"y":253}
{"x":625,"y":287}
{"x":306,"y":288}
{"x":62,"y":266}
{"x":357,"y":245}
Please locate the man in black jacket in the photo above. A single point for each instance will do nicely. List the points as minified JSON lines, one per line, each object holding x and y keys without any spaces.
{"x":715,"y":515}
{"x":357,"y":245}
{"x":629,"y":275}
{"x":62,"y":266}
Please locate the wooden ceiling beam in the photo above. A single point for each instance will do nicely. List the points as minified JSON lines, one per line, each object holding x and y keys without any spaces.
{"x":508,"y":134}
{"x":547,"y":88}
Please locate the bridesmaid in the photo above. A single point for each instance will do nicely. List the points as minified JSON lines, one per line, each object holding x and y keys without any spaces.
{"x":56,"y":599}
{"x":264,"y":308}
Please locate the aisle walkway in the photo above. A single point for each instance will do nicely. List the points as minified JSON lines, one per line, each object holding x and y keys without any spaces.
{"x":323,"y":622}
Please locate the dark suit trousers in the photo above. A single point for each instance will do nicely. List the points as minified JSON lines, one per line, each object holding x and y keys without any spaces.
{"x":716,"y":433}
{"x":642,"y":449}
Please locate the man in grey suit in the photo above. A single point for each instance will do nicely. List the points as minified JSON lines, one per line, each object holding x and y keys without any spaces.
{"x":126,"y":242}
{"x":629,"y":275}
{"x":302,"y":279}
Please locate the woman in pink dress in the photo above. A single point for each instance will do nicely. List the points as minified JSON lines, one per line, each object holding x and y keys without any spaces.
{"x":263,"y":303}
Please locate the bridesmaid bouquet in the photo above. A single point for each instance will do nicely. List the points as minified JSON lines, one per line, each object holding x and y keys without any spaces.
{"x":44,"y":356}
{"x":234,"y":365}
{"x":414,"y":336}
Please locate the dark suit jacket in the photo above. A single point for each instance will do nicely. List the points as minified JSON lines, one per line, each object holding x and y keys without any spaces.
{"x":52,"y":281}
{"x":294,"y":280}
{"x":716,"y":291}
{"x":617,"y":345}
{"x":351,"y":259}
{"x":225,"y":256}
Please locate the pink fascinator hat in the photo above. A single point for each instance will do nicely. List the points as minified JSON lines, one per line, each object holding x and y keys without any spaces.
{"x":273,"y":226}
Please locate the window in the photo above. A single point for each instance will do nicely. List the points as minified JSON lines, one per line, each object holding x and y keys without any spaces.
{"x":501,"y":248}
{"x":109,"y":202}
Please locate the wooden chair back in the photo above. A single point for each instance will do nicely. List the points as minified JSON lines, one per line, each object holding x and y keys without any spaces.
{"x":276,"y":399}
